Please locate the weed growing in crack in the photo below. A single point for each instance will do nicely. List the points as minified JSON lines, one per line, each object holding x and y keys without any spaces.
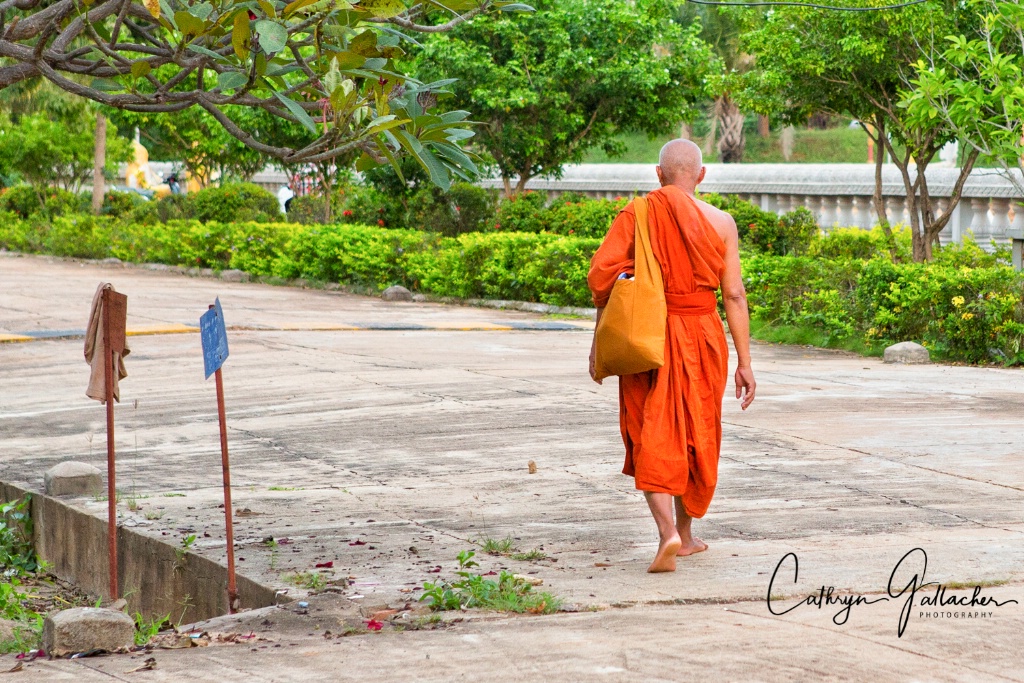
{"x":508,"y":593}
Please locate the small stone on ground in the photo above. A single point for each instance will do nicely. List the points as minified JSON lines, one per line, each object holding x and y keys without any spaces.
{"x":906,"y":352}
{"x":82,"y":629}
{"x":73,"y":478}
{"x":396,"y":293}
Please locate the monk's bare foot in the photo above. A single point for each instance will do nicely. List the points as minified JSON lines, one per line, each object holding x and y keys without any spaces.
{"x":692,"y":548}
{"x":665,"y":560}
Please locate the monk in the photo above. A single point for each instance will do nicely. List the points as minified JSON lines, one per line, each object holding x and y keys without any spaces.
{"x":671,"y":418}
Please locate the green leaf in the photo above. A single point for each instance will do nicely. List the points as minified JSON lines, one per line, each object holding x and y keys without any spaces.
{"x":267,"y":8}
{"x":241,"y":34}
{"x":364,"y":44}
{"x":188,"y":24}
{"x":106,"y":85}
{"x":273,"y":36}
{"x":383,"y":9}
{"x":298,"y":112}
{"x":229,"y":80}
{"x":201,"y":11}
{"x":296,"y":5}
{"x":141,"y":69}
{"x":199,"y":49}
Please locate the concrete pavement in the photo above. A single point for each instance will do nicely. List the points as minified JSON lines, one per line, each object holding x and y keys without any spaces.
{"x":387,"y":451}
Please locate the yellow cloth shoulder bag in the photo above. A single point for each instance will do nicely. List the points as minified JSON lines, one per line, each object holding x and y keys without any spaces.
{"x":630,"y":337}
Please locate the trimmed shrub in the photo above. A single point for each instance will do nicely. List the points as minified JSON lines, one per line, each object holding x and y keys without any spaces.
{"x":522,"y":212}
{"x":23,"y":200}
{"x":235,"y":202}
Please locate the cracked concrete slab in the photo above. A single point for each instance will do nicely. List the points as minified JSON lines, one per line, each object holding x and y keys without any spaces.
{"x":387,"y":452}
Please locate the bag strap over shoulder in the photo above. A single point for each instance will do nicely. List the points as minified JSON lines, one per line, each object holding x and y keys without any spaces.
{"x":646,"y":267}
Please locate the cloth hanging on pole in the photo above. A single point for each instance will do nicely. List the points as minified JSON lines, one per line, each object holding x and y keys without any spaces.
{"x":95,"y":351}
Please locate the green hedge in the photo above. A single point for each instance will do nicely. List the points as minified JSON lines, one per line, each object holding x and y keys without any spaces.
{"x":967,"y":305}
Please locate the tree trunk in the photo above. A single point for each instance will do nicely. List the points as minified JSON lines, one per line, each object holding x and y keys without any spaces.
{"x":764,"y":128}
{"x":521,"y":183}
{"x":731,"y":143}
{"x":685,"y":131}
{"x":883,"y":218}
{"x":99,"y":160}
{"x":508,"y":186}
{"x":711,"y":137}
{"x":924,"y":227}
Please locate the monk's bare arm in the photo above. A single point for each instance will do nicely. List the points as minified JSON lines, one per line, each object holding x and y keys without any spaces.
{"x":734,"y":296}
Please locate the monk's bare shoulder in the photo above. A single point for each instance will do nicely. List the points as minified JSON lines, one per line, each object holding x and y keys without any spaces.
{"x":721,"y":221}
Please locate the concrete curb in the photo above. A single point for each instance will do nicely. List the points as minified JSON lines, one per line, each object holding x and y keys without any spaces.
{"x":156,"y":578}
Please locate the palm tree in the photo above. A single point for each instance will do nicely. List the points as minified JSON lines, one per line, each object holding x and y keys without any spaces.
{"x":722,"y":33}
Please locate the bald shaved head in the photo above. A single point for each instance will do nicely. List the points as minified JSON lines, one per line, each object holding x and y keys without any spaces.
{"x":680,"y":163}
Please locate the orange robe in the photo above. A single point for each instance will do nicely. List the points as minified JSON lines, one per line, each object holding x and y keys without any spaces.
{"x":671,"y":418}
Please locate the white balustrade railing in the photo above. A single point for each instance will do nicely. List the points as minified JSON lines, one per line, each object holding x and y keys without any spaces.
{"x":837,"y":194}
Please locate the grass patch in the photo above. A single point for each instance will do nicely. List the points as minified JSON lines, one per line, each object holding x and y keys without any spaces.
{"x":494,"y":546}
{"x":507,"y":593}
{"x":283,"y":488}
{"x":313,"y":581}
{"x":808,"y":336}
{"x":145,"y":629}
{"x":173,"y":495}
{"x":529,"y":556}
{"x":957,"y":585}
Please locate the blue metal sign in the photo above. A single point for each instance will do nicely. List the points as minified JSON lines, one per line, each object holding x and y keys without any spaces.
{"x":215,"y":338}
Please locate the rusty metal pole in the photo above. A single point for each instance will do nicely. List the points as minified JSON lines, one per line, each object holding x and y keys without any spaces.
{"x":108,"y":375}
{"x":232,"y":589}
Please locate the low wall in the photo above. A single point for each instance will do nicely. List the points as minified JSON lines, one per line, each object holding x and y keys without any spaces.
{"x":152,"y":578}
{"x":837,"y":194}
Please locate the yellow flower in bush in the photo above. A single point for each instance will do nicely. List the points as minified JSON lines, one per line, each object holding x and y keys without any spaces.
{"x":967,"y":316}
{"x":957,"y":301}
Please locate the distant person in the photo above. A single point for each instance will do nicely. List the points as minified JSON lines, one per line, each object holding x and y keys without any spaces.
{"x":172,"y":184}
{"x":671,"y":418}
{"x":284,"y":197}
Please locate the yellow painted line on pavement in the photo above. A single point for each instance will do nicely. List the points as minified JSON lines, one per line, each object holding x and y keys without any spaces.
{"x":171,"y":328}
{"x":14,"y":338}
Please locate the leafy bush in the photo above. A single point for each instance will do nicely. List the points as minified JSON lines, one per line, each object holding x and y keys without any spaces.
{"x":747,"y":216}
{"x":583,"y":218}
{"x":966,"y":305}
{"x":306,"y":209}
{"x":522,"y":212}
{"x":122,"y":204}
{"x":235,"y":202}
{"x":464,"y":208}
{"x":24,"y":201}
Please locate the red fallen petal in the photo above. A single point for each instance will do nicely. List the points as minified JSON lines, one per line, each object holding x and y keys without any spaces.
{"x":491,"y":574}
{"x":374,"y":625}
{"x":325,"y":565}
{"x":435,"y":570}
{"x":357,"y":542}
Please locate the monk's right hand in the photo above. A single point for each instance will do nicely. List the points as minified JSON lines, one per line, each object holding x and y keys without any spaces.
{"x":593,"y":362}
{"x":745,"y":385}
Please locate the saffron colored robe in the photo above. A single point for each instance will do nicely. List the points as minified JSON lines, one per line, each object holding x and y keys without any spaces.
{"x":671,"y":418}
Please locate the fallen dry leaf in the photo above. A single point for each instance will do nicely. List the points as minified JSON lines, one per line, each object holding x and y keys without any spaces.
{"x":147,"y":665}
{"x":383,"y":614}
{"x":16,"y":668}
{"x":532,"y":466}
{"x":601,"y":564}
{"x":532,"y":580}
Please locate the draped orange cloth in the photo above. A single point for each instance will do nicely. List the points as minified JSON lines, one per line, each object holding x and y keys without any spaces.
{"x":671,"y":418}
